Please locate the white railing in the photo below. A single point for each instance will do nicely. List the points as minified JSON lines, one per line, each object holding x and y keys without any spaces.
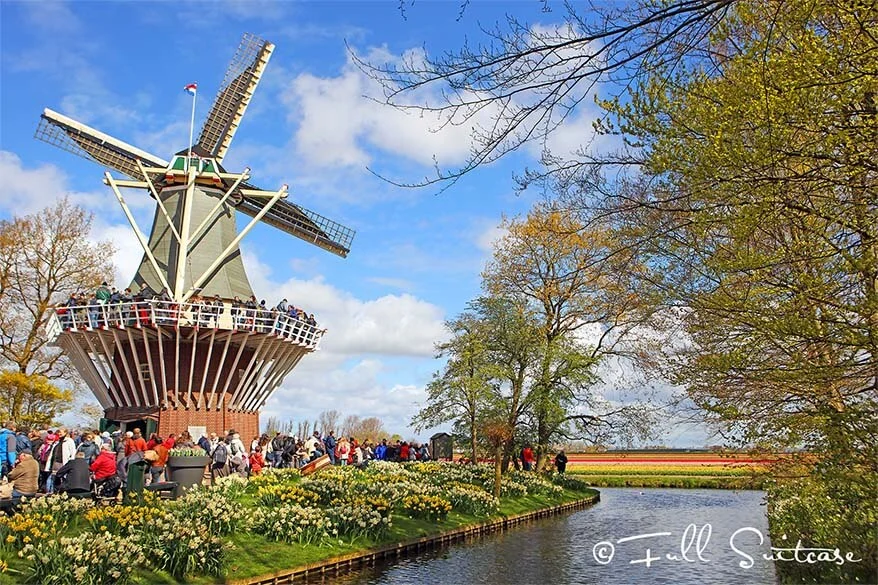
{"x":156,"y":312}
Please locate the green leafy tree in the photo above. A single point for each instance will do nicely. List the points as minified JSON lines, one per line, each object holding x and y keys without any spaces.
{"x":461,"y":392}
{"x":582,"y":293}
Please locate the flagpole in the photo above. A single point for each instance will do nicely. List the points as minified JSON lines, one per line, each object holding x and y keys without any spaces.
{"x":191,"y":128}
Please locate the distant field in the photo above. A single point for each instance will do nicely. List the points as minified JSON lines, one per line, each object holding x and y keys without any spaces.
{"x":685,"y":470}
{"x":700,"y":458}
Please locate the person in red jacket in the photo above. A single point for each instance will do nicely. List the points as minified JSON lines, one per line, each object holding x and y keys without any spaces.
{"x":104,"y":465}
{"x":257,"y":461}
{"x":527,"y":458}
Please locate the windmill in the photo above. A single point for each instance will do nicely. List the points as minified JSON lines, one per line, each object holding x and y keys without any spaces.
{"x":174,"y":361}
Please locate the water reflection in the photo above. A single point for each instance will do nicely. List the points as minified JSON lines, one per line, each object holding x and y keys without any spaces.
{"x":562,"y":550}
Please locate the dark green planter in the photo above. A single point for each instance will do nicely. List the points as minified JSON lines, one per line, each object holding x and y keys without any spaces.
{"x":187,"y":471}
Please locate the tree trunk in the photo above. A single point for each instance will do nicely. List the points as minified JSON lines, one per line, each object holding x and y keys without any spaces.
{"x":498,"y":471}
{"x":473,"y":442}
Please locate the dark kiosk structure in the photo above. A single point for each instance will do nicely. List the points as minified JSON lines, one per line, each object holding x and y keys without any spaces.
{"x":184,"y":358}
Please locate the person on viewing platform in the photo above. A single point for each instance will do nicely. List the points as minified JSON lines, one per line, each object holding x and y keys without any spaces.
{"x":217,"y":310}
{"x":103,"y":293}
{"x":237,"y":312}
{"x":94,"y":312}
{"x":251,"y":305}
{"x":142,"y":299}
{"x":25,"y":476}
{"x":125,"y":312}
{"x":561,"y":461}
{"x":282,"y":306}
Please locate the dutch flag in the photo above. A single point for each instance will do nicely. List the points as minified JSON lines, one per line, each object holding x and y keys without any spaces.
{"x":191,"y":88}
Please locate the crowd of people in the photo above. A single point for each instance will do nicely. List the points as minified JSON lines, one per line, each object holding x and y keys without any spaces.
{"x":48,"y":461}
{"x":79,"y":462}
{"x":109,"y":306}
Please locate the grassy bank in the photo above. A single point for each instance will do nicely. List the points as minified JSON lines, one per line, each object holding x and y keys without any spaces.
{"x":238,"y":530}
{"x":671,"y":476}
{"x":256,"y":555}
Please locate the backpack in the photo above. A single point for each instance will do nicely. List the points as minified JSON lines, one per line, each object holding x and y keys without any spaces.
{"x":220,"y":454}
{"x":90,"y":450}
{"x":45,"y":449}
{"x":23,"y":444}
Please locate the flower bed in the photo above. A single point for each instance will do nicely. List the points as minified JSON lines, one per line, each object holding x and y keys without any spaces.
{"x":335,"y":511}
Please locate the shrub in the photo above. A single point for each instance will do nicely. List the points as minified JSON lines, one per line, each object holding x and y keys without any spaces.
{"x":357,"y":517}
{"x":427,"y":507}
{"x":274,"y":476}
{"x":211,"y":508}
{"x":120,"y":519}
{"x":181,"y":546}
{"x":472,"y":500}
{"x":199,"y":452}
{"x":838,"y":509}
{"x":327,"y":489}
{"x":292,"y":523}
{"x":274,"y":495}
{"x":567,"y":482}
{"x":62,"y":508}
{"x":88,"y":559}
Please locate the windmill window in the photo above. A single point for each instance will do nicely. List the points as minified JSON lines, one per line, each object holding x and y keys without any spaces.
{"x":207,"y":166}
{"x":145,"y":372}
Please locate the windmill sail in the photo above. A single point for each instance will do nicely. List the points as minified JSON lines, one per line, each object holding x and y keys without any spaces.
{"x":81,"y":140}
{"x":302,"y":223}
{"x":234,"y":95}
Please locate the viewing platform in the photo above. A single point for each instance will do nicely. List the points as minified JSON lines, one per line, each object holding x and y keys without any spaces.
{"x":153,"y":313}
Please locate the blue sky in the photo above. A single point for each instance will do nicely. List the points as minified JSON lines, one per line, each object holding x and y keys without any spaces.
{"x":121,"y":66}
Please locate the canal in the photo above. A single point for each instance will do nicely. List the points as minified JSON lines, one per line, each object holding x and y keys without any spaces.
{"x":687,"y":535}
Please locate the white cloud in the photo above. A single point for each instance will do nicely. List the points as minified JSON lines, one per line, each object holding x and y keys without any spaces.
{"x":24,"y":191}
{"x":392,"y":325}
{"x":368,"y":342}
{"x":488,"y":238}
{"x":337,"y":123}
{"x":397,"y":283}
{"x":321,"y":383}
